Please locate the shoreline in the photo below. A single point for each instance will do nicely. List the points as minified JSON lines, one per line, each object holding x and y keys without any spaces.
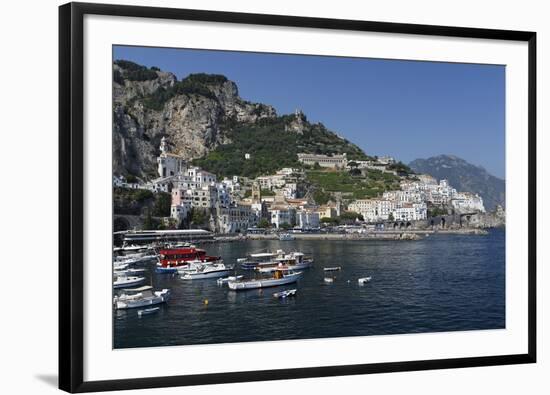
{"x":381,"y":235}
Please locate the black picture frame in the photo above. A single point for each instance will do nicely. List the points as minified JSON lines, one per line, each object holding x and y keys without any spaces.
{"x":71,"y":171}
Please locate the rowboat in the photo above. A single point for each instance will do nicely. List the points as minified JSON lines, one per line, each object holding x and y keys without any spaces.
{"x":140,"y":297}
{"x":285,"y":294}
{"x":208,"y":271}
{"x":364,"y":280}
{"x":149,"y":311}
{"x":279,"y":278}
{"x":127,"y":281}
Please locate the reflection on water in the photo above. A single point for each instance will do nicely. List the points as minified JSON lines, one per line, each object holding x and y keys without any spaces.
{"x":441,"y":283}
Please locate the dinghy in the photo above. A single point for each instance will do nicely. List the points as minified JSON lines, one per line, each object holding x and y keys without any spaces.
{"x":150,"y":311}
{"x":285,"y":294}
{"x":364,"y":280}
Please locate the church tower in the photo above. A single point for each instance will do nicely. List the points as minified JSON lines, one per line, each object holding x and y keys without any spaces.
{"x":256,"y":192}
{"x":163,"y":146}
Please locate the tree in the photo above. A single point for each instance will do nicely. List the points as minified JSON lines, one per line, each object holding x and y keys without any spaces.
{"x":285,"y":226}
{"x":391,"y":217}
{"x":351,"y":216}
{"x":198,"y":216}
{"x":148,"y":223}
{"x":316,"y":166}
{"x":264,"y":223}
{"x":161,"y":208}
{"x":329,"y":221}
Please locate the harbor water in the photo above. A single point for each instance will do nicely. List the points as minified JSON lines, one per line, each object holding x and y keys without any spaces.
{"x":439,"y":283}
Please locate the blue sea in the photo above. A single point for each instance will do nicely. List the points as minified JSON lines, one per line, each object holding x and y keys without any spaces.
{"x":440,"y":283}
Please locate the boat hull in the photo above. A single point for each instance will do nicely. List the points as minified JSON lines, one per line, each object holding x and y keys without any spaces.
{"x":202,"y":276}
{"x":270,"y":282}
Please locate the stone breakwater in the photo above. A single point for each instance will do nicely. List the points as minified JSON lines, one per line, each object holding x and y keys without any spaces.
{"x":382,"y":235}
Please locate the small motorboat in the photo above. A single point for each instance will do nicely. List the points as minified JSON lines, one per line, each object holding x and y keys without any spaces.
{"x":125,"y":281}
{"x":329,"y":280}
{"x":279,"y":278}
{"x":149,"y":311}
{"x":285,"y":294}
{"x":364,"y":280}
{"x":332,"y":269}
{"x":286,"y":237}
{"x":224,"y":280}
{"x":166,"y":270}
{"x":140,"y":297}
{"x":208,"y":271}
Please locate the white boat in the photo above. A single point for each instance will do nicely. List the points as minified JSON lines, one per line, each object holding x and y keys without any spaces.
{"x":215,"y":270}
{"x":329,"y":280}
{"x":129,"y":256}
{"x":150,"y":311}
{"x":332,"y":269}
{"x":364,"y":280}
{"x":140,"y":297}
{"x":126,"y":271}
{"x":120,"y":266}
{"x":286,"y":237}
{"x":127,"y":281}
{"x":280,"y":278}
{"x":297,"y":266}
{"x":291,"y":261}
{"x":134,"y":260}
{"x":285,"y":294}
{"x":193,"y":266}
{"x":230,"y":278}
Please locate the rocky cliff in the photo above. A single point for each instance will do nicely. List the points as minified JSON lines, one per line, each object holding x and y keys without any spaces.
{"x":192,"y":113}
{"x":205,"y":120}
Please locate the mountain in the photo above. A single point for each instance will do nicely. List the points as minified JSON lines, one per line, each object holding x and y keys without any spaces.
{"x":464,"y":177}
{"x":206,"y":121}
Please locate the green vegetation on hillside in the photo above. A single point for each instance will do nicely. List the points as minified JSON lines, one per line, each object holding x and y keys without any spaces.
{"x":354,"y":187}
{"x":271,"y":147}
{"x":134,"y":72}
{"x":136,"y":201}
{"x":193,"y":84}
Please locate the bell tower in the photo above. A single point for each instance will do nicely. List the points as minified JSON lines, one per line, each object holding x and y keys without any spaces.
{"x":256,"y":192}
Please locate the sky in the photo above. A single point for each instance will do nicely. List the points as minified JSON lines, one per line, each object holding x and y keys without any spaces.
{"x":405,"y":109}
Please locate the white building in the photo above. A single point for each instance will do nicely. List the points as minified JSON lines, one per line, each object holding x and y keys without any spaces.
{"x":280,"y":216}
{"x":467,"y":202}
{"x":307,"y":219}
{"x":169,"y":164}
{"x":237,"y":218}
{"x":180,"y":212}
{"x":334,"y":161}
{"x":201,"y":177}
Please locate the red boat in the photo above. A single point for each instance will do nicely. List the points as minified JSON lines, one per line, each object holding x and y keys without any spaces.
{"x":174,"y":257}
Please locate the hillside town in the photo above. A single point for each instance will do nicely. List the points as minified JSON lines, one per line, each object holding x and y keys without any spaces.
{"x":279,"y":201}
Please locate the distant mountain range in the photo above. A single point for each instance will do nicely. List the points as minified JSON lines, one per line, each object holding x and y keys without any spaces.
{"x":464,"y":176}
